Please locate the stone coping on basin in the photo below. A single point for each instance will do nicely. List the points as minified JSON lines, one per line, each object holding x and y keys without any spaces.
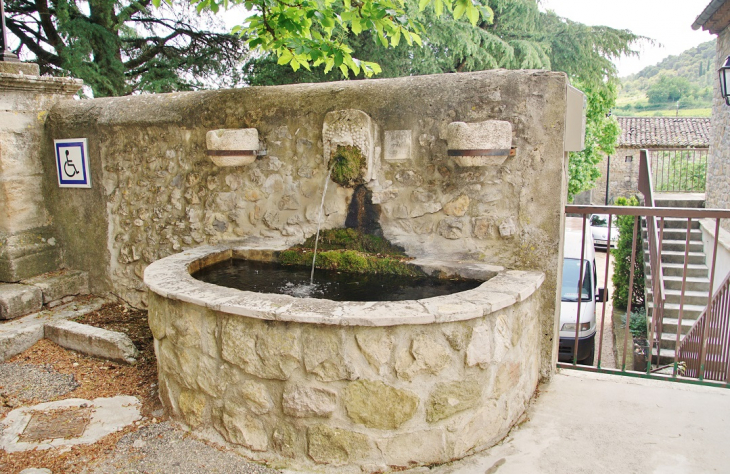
{"x":170,"y":277}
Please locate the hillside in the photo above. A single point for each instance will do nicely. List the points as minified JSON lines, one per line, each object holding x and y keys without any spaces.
{"x":685,"y":79}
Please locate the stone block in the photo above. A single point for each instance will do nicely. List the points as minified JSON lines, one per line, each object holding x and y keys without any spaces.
{"x":17,"y":300}
{"x":376,"y":345}
{"x":254,"y":395}
{"x":488,"y":135}
{"x":268,"y":351}
{"x":59,"y":285}
{"x":28,"y":69}
{"x":449,"y":398}
{"x":377,"y":405}
{"x":97,"y":342}
{"x":22,"y":207}
{"x":192,"y":405}
{"x":14,"y":342}
{"x":323,"y":354}
{"x":416,"y":448}
{"x":242,"y":428}
{"x":18,"y":262}
{"x":425,"y":355}
{"x":337,"y":446}
{"x":231,"y":140}
{"x":300,"y":401}
{"x":350,"y":127}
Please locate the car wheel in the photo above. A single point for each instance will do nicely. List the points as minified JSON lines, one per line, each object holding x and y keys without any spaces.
{"x":588,"y":360}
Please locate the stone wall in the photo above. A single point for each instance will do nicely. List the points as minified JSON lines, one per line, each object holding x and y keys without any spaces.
{"x":155,"y":192}
{"x":347,"y":398}
{"x":27,"y":242}
{"x":718,"y":167}
{"x":624,"y":176}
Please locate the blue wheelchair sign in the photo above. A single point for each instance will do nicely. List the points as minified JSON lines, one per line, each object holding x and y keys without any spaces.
{"x":72,"y":163}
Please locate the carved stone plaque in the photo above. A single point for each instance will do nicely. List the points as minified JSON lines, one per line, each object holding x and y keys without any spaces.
{"x":398,"y":145}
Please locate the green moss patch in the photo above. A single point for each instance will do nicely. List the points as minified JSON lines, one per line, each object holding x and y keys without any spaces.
{"x":351,"y":239}
{"x":348,"y":164}
{"x":351,"y":261}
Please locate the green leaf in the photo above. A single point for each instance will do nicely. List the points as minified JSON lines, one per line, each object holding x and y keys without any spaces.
{"x":356,"y":26}
{"x":294,"y":64}
{"x":395,"y":39}
{"x":344,"y":70}
{"x":438,"y":7}
{"x":422,"y":4}
{"x":285,"y":57}
{"x":460,"y":9}
{"x":472,"y":14}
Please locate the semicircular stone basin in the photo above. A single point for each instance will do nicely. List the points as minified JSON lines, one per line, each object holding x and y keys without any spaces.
{"x":344,"y":386}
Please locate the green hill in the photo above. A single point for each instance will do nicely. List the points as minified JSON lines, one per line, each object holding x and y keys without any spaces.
{"x":686,"y":79}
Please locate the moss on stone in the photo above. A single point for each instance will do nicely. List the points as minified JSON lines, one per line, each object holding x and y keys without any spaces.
{"x":351,"y":239}
{"x":347,"y":164}
{"x":350,"y":261}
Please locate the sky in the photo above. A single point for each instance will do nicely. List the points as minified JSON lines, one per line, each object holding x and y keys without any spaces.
{"x":669,"y":22}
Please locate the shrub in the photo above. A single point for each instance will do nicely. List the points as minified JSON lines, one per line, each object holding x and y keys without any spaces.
{"x":622,"y":259}
{"x":637,"y":323}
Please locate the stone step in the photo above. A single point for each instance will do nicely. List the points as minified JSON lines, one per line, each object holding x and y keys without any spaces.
{"x":678,"y":246}
{"x":679,"y":223}
{"x":677,"y":269}
{"x":671,"y":310}
{"x":669,"y":325}
{"x":669,"y":340}
{"x":675,"y":283}
{"x":61,"y":285}
{"x":695,"y":235}
{"x":695,"y":298}
{"x":28,"y":254}
{"x":685,"y":200}
{"x":693,"y":258}
{"x":666,"y":356}
{"x":18,"y":300}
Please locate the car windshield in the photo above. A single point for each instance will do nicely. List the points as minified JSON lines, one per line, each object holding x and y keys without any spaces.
{"x":571,"y":275}
{"x":599,"y":220}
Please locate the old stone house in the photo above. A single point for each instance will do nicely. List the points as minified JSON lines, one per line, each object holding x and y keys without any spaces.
{"x":664,"y":137}
{"x":716,"y":19}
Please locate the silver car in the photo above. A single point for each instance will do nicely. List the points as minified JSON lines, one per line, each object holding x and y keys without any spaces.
{"x":599,"y":230}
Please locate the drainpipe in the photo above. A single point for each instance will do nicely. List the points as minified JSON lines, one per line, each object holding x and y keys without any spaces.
{"x":608,"y":178}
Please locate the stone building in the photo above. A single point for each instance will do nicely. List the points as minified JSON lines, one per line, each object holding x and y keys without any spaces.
{"x":716,"y":19}
{"x":664,"y":137}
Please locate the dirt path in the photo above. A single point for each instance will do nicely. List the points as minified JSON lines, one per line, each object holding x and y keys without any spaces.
{"x":608,"y":360}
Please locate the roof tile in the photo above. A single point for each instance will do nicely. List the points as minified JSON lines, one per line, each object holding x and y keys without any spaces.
{"x":664,"y":132}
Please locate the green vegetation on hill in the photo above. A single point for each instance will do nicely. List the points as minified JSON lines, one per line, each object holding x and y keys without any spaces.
{"x":678,"y":85}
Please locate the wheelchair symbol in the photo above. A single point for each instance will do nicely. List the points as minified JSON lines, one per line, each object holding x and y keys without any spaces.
{"x":68,"y":166}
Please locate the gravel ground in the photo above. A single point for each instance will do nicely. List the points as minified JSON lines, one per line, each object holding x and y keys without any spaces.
{"x":48,"y":372}
{"x":24,"y":384}
{"x":162,"y":448}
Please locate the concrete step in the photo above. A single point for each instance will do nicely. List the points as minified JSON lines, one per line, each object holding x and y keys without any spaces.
{"x":677,"y":269}
{"x":695,"y":298}
{"x":678,"y":246}
{"x":690,"y":311}
{"x":666,"y":356}
{"x":669,"y":340}
{"x":675,"y":283}
{"x":693,"y":258}
{"x":695,"y":235}
{"x":60,"y":286}
{"x":670,"y":325}
{"x":680,"y":223}
{"x":686,"y":200}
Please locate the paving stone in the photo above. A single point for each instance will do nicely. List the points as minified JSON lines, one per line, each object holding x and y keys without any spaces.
{"x":18,"y":300}
{"x":111,"y":345}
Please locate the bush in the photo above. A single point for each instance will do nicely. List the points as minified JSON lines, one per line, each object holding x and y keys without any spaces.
{"x":637,"y":323}
{"x":622,"y":258}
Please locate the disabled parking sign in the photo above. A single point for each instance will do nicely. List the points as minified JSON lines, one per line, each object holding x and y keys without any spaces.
{"x":72,"y":163}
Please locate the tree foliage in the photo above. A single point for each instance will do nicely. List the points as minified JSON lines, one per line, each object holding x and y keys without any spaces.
{"x":517,"y":35}
{"x":121,"y":46}
{"x":622,"y":256}
{"x":306,"y":33}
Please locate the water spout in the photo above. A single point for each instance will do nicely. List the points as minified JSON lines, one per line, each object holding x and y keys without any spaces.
{"x":319,"y":224}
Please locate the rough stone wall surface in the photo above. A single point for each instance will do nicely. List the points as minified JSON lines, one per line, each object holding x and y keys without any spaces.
{"x":624,"y":176}
{"x":346,"y":398}
{"x":718,"y":167}
{"x":156,"y":192}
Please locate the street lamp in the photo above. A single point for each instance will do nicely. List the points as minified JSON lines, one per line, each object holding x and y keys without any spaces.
{"x":5,"y":54}
{"x":724,"y":73}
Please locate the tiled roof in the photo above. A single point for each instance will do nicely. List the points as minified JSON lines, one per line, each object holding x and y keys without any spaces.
{"x":664,"y":132}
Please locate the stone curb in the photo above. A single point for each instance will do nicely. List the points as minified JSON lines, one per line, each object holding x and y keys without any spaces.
{"x":90,"y":340}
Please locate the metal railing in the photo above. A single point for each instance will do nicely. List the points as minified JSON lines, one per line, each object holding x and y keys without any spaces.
{"x":656,"y":219}
{"x":679,"y":170}
{"x":706,"y":348}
